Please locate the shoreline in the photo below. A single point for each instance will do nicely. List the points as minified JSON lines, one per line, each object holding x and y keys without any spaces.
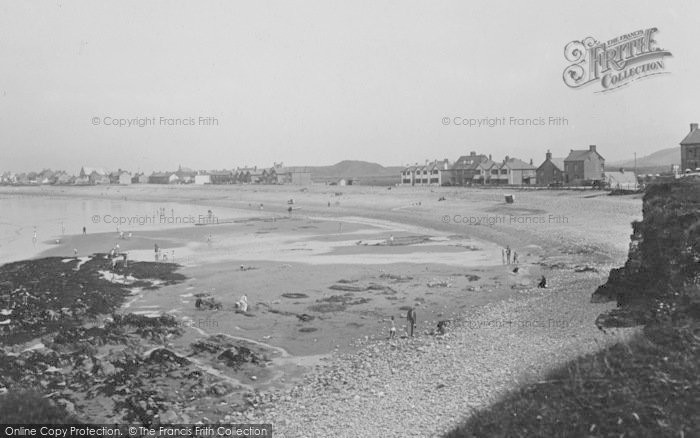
{"x":350,"y":301}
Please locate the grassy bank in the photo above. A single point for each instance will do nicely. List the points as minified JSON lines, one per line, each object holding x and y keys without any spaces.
{"x":642,"y":388}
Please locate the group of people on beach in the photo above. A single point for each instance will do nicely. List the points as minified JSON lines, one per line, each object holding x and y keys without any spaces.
{"x":506,"y":254}
{"x":411,"y":319}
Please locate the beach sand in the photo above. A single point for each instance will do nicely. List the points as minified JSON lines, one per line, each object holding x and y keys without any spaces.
{"x":325,"y":280}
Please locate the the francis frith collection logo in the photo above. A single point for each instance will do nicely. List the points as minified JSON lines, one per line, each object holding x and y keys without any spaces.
{"x":616,"y":62}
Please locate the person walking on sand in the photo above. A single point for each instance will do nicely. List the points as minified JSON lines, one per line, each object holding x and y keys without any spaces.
{"x":515,"y":257}
{"x":84,"y":231}
{"x":503,"y":256}
{"x":411,"y":316}
{"x":508,"y":254}
{"x":392,"y":329}
{"x":35,"y":237}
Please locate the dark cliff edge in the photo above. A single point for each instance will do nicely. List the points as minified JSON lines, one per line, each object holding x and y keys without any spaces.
{"x":660,"y":282}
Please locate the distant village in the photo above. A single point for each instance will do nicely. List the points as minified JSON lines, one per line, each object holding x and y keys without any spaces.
{"x":580,"y":168}
{"x":277,"y":174}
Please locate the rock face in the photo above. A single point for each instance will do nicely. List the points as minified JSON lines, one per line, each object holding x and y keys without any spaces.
{"x":661,"y":276}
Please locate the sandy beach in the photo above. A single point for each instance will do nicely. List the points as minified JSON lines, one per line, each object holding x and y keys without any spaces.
{"x":323,"y":280}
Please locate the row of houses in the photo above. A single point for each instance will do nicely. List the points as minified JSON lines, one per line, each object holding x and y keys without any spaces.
{"x":580,"y":167}
{"x":278,"y":174}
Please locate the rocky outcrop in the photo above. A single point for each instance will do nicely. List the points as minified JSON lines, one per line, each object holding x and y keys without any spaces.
{"x":661,"y":277}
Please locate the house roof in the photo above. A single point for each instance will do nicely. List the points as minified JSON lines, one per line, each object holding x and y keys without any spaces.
{"x":469,"y":161}
{"x":161,"y":174}
{"x":580,"y":155}
{"x":486,"y":164}
{"x":293,"y":169}
{"x":693,"y":137}
{"x":557,"y":162}
{"x":515,"y":163}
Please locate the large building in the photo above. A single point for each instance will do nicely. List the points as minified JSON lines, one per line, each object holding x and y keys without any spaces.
{"x":583,"y":167}
{"x":690,"y":150}
{"x":299,"y":176}
{"x":429,"y":174}
{"x":551,"y":171}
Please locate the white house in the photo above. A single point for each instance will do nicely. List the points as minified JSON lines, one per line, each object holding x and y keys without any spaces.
{"x":204,"y":178}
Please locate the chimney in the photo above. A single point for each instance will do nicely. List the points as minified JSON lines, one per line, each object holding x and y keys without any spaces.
{"x":530,"y":161}
{"x":548,"y":155}
{"x":693,"y":127}
{"x":591,"y":148}
{"x":490,"y":157}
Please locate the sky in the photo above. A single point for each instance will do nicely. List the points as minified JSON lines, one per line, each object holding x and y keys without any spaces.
{"x":315,"y":82}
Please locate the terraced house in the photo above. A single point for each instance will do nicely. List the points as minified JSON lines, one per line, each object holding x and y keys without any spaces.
{"x":433,"y":174}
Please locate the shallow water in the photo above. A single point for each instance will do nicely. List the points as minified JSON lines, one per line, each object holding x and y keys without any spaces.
{"x":54,"y":217}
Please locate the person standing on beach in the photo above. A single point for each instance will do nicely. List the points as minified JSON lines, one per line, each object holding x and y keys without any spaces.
{"x":411,"y":316}
{"x":35,"y":237}
{"x":84,"y":231}
{"x":515,"y":258}
{"x":508,"y":254}
{"x":503,"y":256}
{"x":157,"y":250}
{"x":392,"y":329}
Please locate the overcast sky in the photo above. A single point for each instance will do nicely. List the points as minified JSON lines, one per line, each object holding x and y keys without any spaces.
{"x":316,"y":82}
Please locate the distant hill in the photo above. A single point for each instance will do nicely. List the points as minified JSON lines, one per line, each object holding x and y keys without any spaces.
{"x":354,"y":170}
{"x":662,"y":159}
